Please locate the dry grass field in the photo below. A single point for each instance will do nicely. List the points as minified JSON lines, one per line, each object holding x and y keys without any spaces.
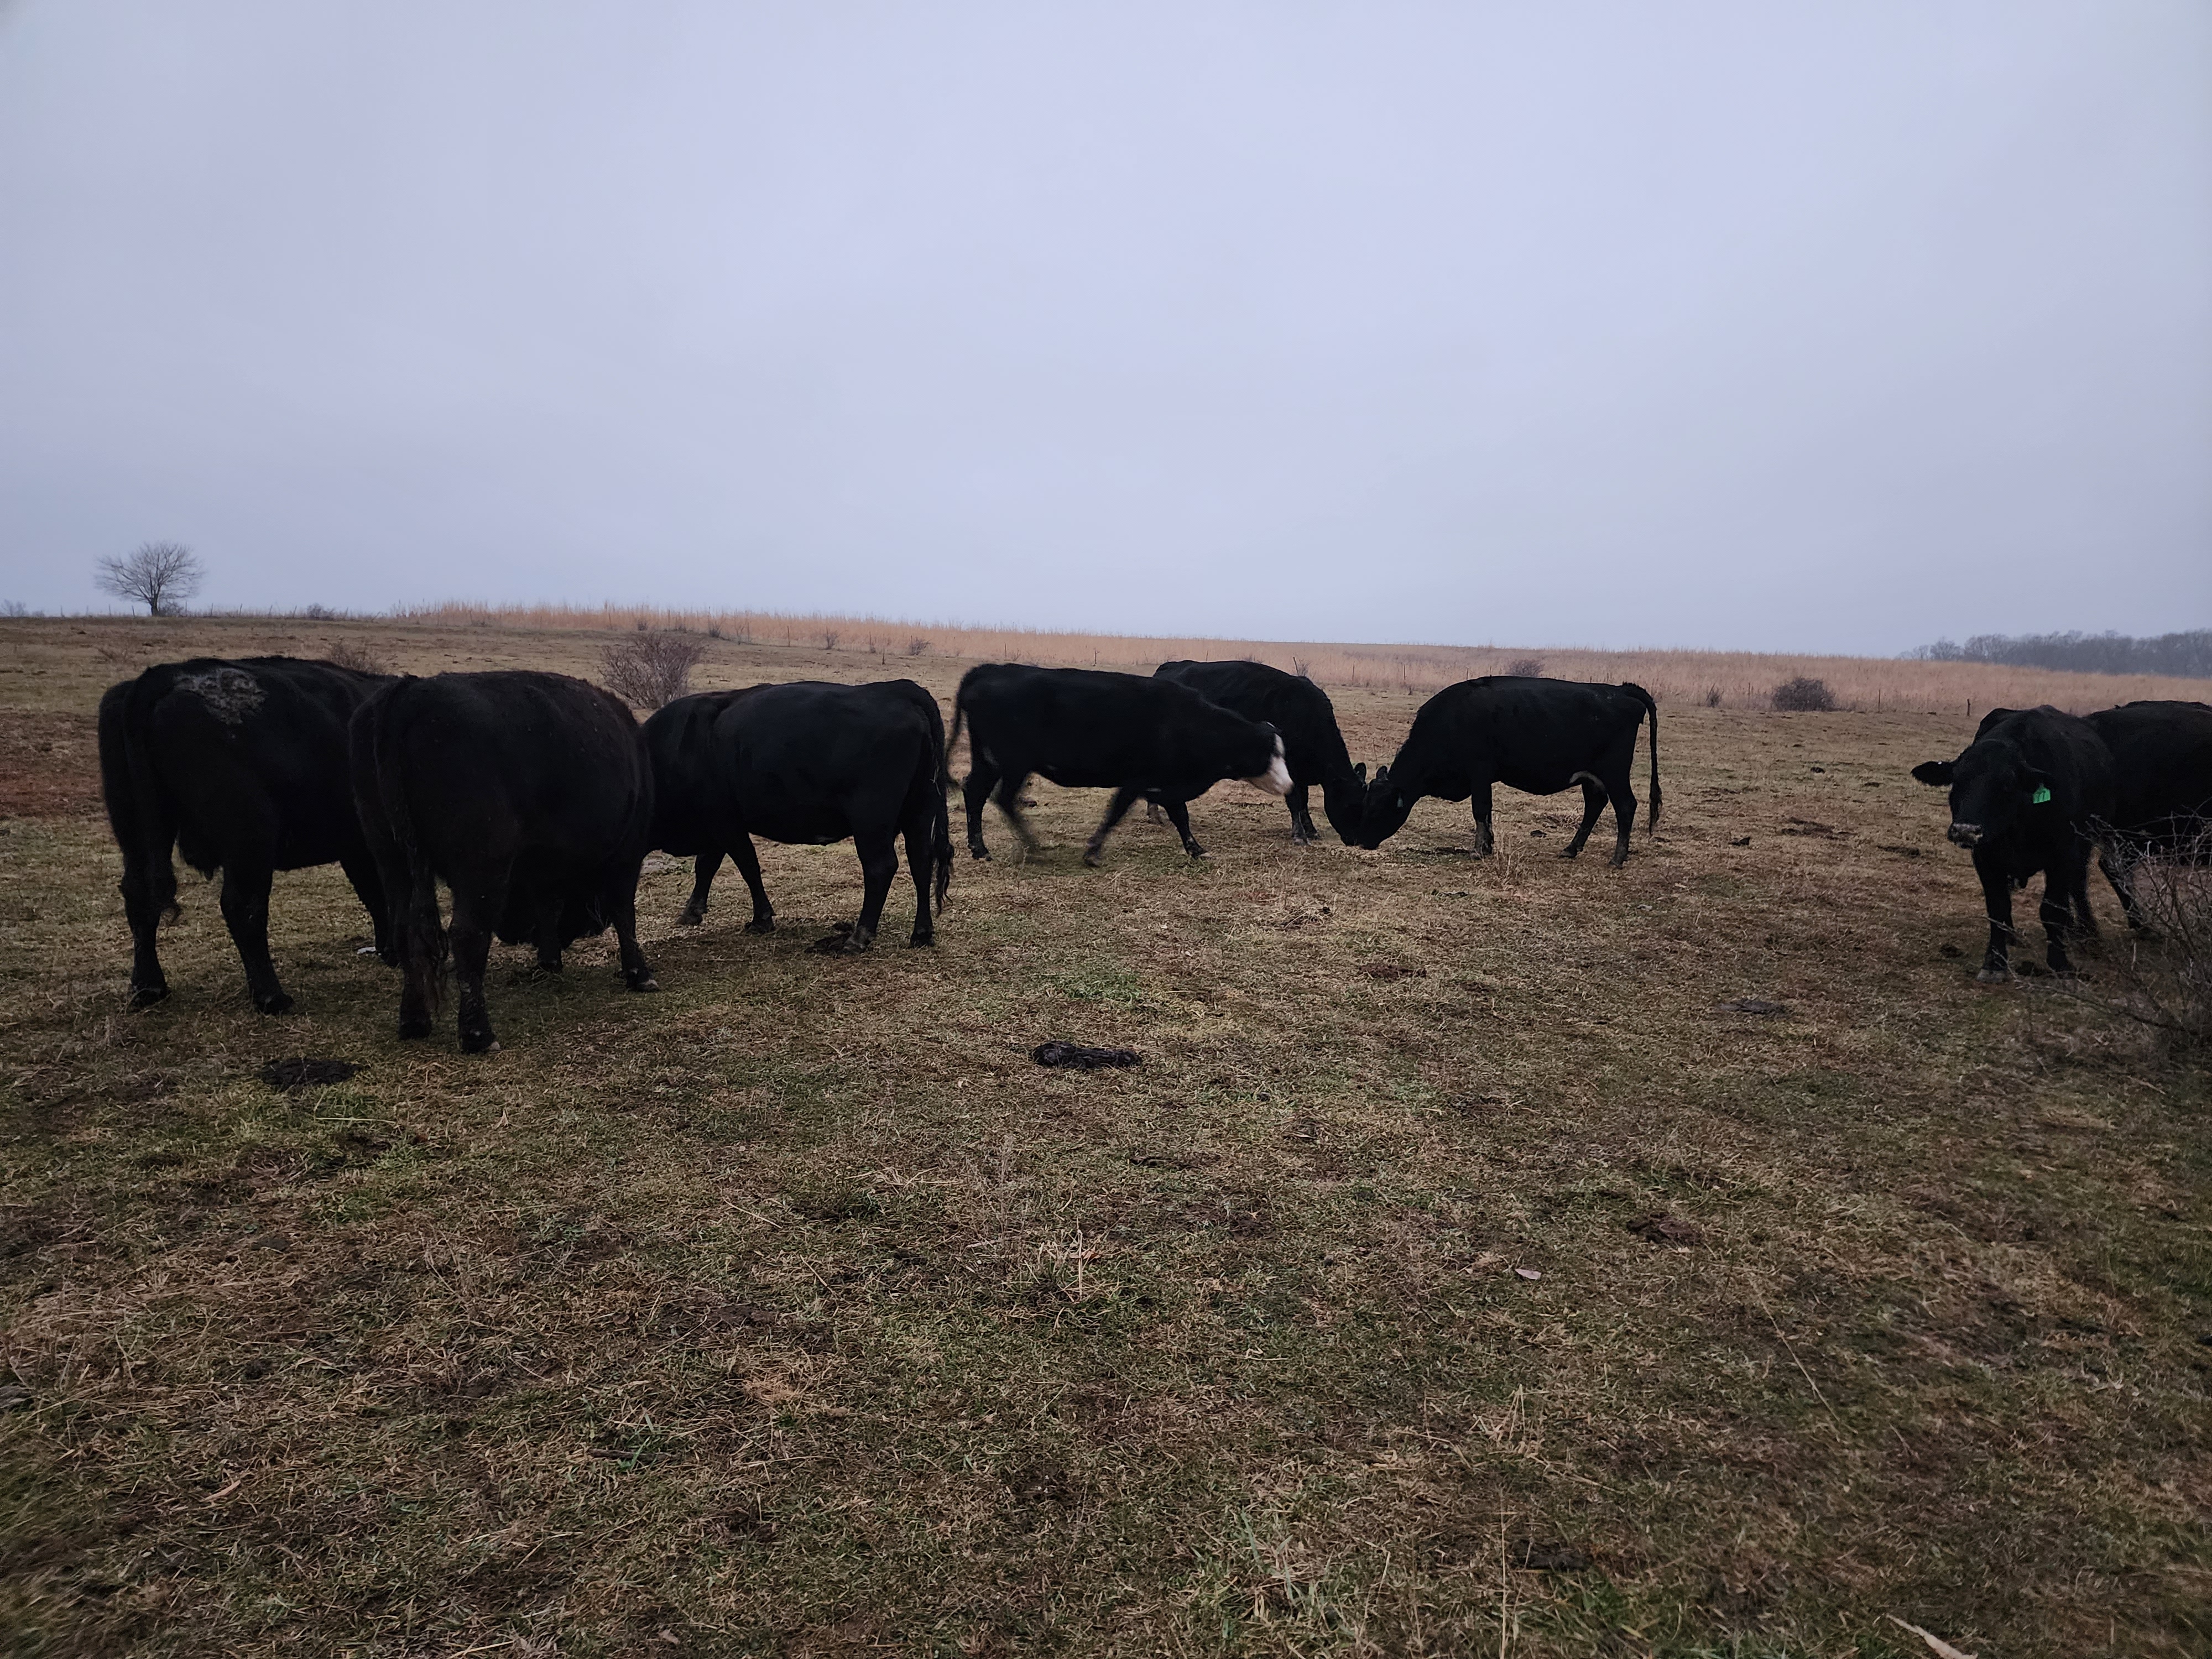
{"x":1459,"y":1272}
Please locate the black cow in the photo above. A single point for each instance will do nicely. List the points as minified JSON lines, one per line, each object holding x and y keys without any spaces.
{"x":240,"y":766}
{"x":1538,"y":735}
{"x":2030,"y":793}
{"x":810,"y":762}
{"x":530,"y":796}
{"x":1313,"y":747}
{"x":2161,"y":787}
{"x":1082,"y":728}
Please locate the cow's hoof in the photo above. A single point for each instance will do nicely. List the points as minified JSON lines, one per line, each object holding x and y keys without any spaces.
{"x":688,"y":917}
{"x":413,"y":1029}
{"x":643,"y":983}
{"x":479,"y":1043}
{"x":761,"y":925}
{"x":1194,"y":850}
{"x":847,"y":942}
{"x":1994,"y":976}
{"x":278,"y":1004}
{"x":548,"y":965}
{"x":145,"y":996}
{"x":1092,"y":859}
{"x":979,"y":852}
{"x":923,"y":941}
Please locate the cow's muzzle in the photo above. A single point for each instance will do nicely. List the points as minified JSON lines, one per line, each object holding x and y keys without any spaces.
{"x":1968,"y":836}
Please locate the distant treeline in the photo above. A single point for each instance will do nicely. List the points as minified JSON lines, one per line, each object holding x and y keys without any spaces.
{"x":2189,"y":655}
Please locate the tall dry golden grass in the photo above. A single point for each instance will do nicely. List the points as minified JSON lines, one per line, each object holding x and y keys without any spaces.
{"x":1734,"y":679}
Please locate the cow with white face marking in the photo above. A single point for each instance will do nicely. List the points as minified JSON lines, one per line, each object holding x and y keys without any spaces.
{"x":2031,"y":794}
{"x":1143,"y":738}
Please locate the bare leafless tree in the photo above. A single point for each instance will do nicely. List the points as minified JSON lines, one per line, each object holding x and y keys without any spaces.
{"x":1529,"y":667}
{"x":652,"y":669}
{"x":159,"y":575}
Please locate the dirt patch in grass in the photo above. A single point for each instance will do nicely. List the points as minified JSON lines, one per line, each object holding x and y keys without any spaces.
{"x":797,"y":1310}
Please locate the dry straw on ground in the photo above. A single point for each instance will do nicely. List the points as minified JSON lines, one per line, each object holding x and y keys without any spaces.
{"x":1741,"y":679}
{"x":1514,"y":1255}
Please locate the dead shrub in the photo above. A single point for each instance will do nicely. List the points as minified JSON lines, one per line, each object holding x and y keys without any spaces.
{"x":1529,"y":667}
{"x":830,"y":638}
{"x":346,"y":655}
{"x":1804,"y":695}
{"x":1713,"y":696}
{"x":653,"y":669}
{"x":2162,"y":975}
{"x":917,"y":646}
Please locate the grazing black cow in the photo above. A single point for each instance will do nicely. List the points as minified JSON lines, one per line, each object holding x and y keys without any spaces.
{"x":240,"y":766}
{"x":2030,"y":793}
{"x":1313,"y":748}
{"x":531,"y":797}
{"x":809,"y":762}
{"x":1538,"y":735}
{"x":2161,"y":787}
{"x":1145,"y":738}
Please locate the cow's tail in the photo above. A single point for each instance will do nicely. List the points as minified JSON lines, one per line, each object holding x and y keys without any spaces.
{"x":139,"y":809}
{"x":941,"y":822}
{"x":1651,"y":713}
{"x":418,"y":937}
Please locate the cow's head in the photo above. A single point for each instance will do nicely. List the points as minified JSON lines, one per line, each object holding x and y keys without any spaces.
{"x":1345,"y":800}
{"x":1993,"y":788}
{"x":1383,"y":811}
{"x":1276,"y":778}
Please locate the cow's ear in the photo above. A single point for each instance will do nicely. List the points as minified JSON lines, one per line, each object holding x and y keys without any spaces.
{"x":1360,"y":772}
{"x":1935,"y":772}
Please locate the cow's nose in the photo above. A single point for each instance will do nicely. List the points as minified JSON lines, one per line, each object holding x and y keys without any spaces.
{"x":1966,"y":834}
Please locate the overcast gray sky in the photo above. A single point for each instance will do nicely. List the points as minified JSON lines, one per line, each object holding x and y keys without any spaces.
{"x":1802,"y":326}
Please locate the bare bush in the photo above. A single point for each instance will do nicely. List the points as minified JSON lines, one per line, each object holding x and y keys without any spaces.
{"x":1804,"y":695}
{"x":320,"y":613}
{"x":917,"y":646}
{"x":159,"y":575}
{"x":1532,"y":667}
{"x":15,"y":608}
{"x":653,"y":669}
{"x":1299,"y":667}
{"x":2163,"y":975}
{"x":346,"y":655}
{"x":830,"y":638}
{"x":1713,"y":696}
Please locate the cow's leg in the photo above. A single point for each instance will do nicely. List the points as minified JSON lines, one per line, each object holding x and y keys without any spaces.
{"x":369,"y":887}
{"x":476,"y":908}
{"x":1009,"y":797}
{"x":921,"y":865}
{"x":1593,"y":804}
{"x":546,"y":930}
{"x":245,"y":913}
{"x":1479,"y":803}
{"x":878,"y":852}
{"x":1624,"y":816}
{"x":748,"y":862}
{"x":1996,"y":899}
{"x":1124,"y":799}
{"x":2077,"y":891}
{"x":2119,"y":871}
{"x":1302,"y":823}
{"x":1179,"y":816}
{"x":621,"y":907}
{"x":148,"y":985}
{"x":708,"y":861}
{"x":974,"y":791}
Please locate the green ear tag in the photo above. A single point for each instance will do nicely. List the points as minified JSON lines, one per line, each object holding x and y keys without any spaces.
{"x":2042,"y":794}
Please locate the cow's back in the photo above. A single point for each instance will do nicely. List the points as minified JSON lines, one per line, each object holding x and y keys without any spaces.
{"x":544,"y":769}
{"x":2161,"y":765}
{"x":244,"y":757}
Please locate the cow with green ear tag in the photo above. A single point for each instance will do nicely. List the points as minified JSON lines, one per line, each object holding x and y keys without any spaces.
{"x":2032,"y":793}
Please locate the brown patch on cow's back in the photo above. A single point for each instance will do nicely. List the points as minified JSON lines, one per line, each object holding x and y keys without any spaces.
{"x":49,"y":765}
